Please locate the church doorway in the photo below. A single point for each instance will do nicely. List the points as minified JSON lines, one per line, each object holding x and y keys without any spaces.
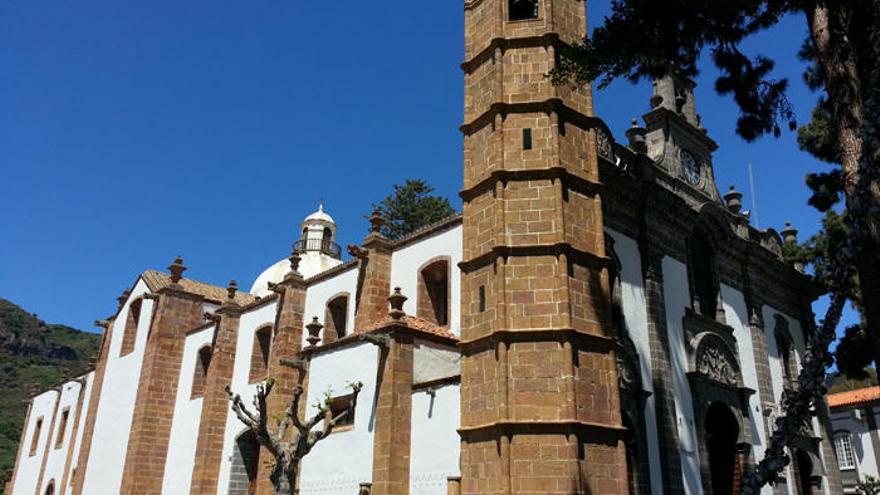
{"x":722,"y":431}
{"x":804,"y":469}
{"x":243,"y":476}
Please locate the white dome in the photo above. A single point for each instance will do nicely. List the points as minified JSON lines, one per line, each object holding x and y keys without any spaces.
{"x":319,"y":216}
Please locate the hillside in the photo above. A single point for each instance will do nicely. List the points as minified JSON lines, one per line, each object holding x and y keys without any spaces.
{"x":33,"y":355}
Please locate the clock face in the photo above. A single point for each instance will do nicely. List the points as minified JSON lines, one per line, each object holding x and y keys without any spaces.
{"x":690,"y":167}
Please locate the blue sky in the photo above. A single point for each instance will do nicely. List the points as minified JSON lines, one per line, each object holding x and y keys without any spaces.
{"x":132,"y":132}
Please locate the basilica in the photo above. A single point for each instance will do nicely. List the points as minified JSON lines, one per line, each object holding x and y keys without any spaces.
{"x":599,"y":319}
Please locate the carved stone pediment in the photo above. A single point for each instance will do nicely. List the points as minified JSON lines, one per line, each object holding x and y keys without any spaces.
{"x":716,"y":363}
{"x":712,"y":350}
{"x":605,"y":145}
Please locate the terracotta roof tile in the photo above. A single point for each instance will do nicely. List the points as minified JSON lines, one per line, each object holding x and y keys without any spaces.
{"x":413,"y":322}
{"x":158,"y":280}
{"x":853,"y":397}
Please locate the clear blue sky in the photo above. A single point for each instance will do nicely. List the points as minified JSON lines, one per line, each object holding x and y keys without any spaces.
{"x":132,"y":132}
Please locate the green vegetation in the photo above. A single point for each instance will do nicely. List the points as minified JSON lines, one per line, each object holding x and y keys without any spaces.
{"x":34,"y":356}
{"x":410,"y":208}
{"x":840,"y":382}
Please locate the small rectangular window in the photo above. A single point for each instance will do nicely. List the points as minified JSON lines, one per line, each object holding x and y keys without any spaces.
{"x":342,"y":406}
{"x":62,"y":427}
{"x":35,"y":439}
{"x":843,"y":446}
{"x":482,"y":298}
{"x":527,"y":139}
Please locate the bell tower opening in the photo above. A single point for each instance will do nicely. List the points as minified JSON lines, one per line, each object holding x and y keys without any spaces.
{"x":522,"y":10}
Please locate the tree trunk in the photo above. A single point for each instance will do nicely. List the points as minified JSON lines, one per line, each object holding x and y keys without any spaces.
{"x":837,"y":57}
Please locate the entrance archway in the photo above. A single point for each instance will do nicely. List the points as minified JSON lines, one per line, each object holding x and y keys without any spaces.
{"x":804,"y":467}
{"x":722,"y":431}
{"x":243,"y":476}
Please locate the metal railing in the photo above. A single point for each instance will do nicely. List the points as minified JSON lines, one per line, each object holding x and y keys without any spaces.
{"x":329,"y":248}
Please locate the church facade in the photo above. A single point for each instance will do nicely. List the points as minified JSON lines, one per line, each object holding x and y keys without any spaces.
{"x":598,"y":319}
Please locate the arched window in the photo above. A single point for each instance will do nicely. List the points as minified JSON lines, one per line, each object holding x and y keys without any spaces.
{"x":328,"y":234}
{"x":722,"y":431}
{"x":129,"y":335}
{"x":846,"y":459}
{"x":260,"y":354}
{"x":521,"y":10}
{"x":50,"y":490}
{"x":433,"y":294}
{"x":701,"y":264}
{"x":62,"y":427}
{"x":245,"y":461}
{"x":785,"y":345}
{"x":35,"y":439}
{"x":200,"y":375}
{"x":335,"y":319}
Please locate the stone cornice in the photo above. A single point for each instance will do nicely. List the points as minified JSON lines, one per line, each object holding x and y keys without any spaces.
{"x":504,"y":44}
{"x":576,"y":182}
{"x":555,"y":249}
{"x":512,"y":427}
{"x":548,"y":106}
{"x":598,"y":342}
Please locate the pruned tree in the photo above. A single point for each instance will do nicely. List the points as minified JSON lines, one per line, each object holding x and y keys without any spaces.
{"x":288,"y":445}
{"x":844,"y":46}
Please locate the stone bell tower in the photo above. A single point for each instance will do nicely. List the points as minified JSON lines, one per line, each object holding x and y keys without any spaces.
{"x":540,"y":404}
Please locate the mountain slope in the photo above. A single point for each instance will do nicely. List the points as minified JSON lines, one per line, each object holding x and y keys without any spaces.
{"x":34,"y":355}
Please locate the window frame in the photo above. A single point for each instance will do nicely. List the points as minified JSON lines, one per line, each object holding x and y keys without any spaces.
{"x":35,"y":438}
{"x":258,"y":374}
{"x":348,"y":425}
{"x":534,"y":17}
{"x":840,"y":448}
{"x":200,"y":373}
{"x":130,"y":330}
{"x":62,"y":427}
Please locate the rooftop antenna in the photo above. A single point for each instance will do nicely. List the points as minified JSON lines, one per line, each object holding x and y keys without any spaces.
{"x":754,"y":197}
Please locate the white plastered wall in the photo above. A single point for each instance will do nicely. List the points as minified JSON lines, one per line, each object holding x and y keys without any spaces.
{"x":74,"y":460}
{"x":116,"y":406}
{"x":676,"y":292}
{"x":863,"y":451}
{"x":435,"y":448}
{"x":187,"y":417}
{"x":318,"y":295}
{"x":737,"y":316}
{"x":28,"y":466}
{"x":57,"y":456}
{"x":338,"y":463}
{"x":406,"y":262}
{"x":774,"y":357}
{"x":248,"y":325}
{"x":635,"y":315}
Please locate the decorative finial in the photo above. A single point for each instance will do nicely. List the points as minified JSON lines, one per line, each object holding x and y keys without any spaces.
{"x":231,"y":289}
{"x":124,"y":297}
{"x":634,"y":122}
{"x":789,"y":233}
{"x":177,"y":269}
{"x":376,"y":220}
{"x":396,"y":299}
{"x":321,"y":205}
{"x":733,"y":198}
{"x":314,"y":328}
{"x":294,"y":259}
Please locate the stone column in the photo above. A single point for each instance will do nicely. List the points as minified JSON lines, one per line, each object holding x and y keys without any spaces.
{"x":215,"y":403}
{"x":661,"y":370}
{"x":175,"y":312}
{"x":94,"y":398}
{"x":374,"y":276}
{"x":392,"y":433}
{"x":286,"y":346}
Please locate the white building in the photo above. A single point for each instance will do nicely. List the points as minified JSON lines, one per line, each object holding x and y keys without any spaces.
{"x":854,"y":417}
